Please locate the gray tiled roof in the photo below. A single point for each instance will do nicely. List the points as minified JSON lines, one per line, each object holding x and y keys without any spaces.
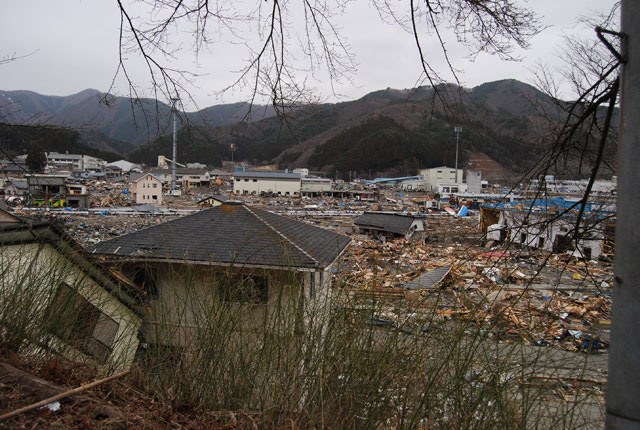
{"x":231,"y":234}
{"x":393,"y":223}
{"x":266,"y":175}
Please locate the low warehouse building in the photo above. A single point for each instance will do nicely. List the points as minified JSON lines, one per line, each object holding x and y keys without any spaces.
{"x":260,"y":183}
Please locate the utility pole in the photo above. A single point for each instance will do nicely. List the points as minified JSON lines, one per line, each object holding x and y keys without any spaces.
{"x":623,"y":391}
{"x":175,"y":146}
{"x":457,"y":131}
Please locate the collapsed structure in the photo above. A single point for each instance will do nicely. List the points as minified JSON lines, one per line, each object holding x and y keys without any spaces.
{"x":54,"y":298}
{"x":550,"y":224}
{"x":389,"y":224}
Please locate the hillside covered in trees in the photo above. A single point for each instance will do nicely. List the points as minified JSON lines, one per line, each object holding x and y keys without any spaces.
{"x":387,"y":132}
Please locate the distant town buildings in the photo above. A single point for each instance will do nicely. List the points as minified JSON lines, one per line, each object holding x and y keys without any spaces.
{"x":58,"y":161}
{"x":277,"y":183}
{"x":123,"y":166}
{"x":185,"y":177}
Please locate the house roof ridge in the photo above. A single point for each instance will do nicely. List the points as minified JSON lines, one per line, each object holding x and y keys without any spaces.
{"x":143,"y":229}
{"x":282,"y":235}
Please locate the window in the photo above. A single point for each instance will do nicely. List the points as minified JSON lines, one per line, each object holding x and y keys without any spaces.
{"x":255,"y":180}
{"x":523,"y":237}
{"x":243,"y":288}
{"x":154,"y":197}
{"x":237,"y":180}
{"x":246,"y":180}
{"x":439,"y":171}
{"x":540,"y":242}
{"x":155,"y":185}
{"x":75,"y":320}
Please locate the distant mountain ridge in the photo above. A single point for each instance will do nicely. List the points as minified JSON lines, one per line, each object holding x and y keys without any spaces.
{"x":505,"y":125}
{"x":119,"y":118}
{"x":385,"y":132}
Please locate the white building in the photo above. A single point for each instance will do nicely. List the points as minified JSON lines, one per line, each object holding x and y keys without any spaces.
{"x":309,"y":185}
{"x":474,"y":181}
{"x":146,"y":189}
{"x":282,"y":184}
{"x":185,"y":177}
{"x":304,"y":172}
{"x":450,"y":188}
{"x":74,"y":161}
{"x":440,"y":175}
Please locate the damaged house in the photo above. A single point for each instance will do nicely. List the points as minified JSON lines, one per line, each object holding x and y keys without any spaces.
{"x":389,"y":225}
{"x":232,"y":253}
{"x":55,"y":299}
{"x":550,"y":225}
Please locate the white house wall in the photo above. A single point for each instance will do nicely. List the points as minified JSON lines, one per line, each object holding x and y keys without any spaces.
{"x":43,"y":268}
{"x":187,"y":303}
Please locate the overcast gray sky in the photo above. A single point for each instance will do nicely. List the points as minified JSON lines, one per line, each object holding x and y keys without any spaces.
{"x":72,"y":45}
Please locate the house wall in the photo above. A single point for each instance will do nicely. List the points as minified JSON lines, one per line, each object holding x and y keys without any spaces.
{"x":33,"y":272}
{"x":413,"y":185}
{"x":147,"y":189}
{"x":474,"y":181}
{"x":187,"y":304}
{"x":416,"y":225}
{"x":283,"y":187}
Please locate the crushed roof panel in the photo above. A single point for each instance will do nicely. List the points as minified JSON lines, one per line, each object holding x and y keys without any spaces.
{"x":393,"y":223}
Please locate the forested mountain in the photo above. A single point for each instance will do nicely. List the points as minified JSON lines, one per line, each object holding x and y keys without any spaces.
{"x":122,"y":119}
{"x":385,"y":132}
{"x":388,"y":131}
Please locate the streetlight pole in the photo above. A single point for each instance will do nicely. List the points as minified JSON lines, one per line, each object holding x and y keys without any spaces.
{"x":457,"y":131}
{"x":175,"y":146}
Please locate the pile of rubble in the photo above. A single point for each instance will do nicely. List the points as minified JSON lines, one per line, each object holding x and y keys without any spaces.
{"x":89,"y":230}
{"x":541,"y":298}
{"x":108,"y":195}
